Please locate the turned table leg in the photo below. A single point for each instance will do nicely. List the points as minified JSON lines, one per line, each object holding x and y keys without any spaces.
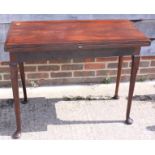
{"x":22,"y":75}
{"x":14,"y":81}
{"x":134,"y":68}
{"x":120,"y":62}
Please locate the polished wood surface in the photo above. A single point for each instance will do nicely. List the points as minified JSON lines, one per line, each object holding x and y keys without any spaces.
{"x":71,"y":39}
{"x":73,"y":34}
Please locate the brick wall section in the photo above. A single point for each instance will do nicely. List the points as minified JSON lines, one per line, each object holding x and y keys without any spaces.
{"x":74,"y":71}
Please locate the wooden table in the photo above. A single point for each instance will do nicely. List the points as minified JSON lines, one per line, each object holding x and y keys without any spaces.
{"x":35,"y":40}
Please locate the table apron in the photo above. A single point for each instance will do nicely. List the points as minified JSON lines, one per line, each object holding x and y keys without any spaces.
{"x":32,"y":56}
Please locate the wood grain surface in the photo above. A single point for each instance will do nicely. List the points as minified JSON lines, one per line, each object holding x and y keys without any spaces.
{"x":72,"y":34}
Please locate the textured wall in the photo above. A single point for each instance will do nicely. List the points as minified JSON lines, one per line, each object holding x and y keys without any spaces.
{"x":145,"y":23}
{"x":78,"y":71}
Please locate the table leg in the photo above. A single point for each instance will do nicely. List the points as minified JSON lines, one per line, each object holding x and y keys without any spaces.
{"x":134,"y":68}
{"x":14,"y":81}
{"x":120,"y":62}
{"x":22,"y":74}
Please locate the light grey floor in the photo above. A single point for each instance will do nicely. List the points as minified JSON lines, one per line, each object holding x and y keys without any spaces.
{"x":48,"y":116}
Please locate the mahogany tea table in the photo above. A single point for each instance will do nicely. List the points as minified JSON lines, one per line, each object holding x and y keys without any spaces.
{"x":43,"y":40}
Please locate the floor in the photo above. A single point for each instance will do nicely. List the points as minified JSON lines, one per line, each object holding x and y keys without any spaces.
{"x":80,"y":112}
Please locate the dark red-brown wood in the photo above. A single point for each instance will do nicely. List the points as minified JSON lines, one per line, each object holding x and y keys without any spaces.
{"x":22,"y":75}
{"x":58,"y":35}
{"x":71,"y":39}
{"x":120,"y":63}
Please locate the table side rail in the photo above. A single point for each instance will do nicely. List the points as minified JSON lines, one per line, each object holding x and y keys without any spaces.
{"x":46,"y":55}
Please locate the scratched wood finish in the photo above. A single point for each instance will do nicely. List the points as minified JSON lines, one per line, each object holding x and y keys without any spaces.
{"x":73,"y":34}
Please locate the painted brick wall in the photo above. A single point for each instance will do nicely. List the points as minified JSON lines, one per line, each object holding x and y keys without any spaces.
{"x":73,"y":71}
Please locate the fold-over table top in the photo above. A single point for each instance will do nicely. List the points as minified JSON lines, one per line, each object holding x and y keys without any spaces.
{"x":68,"y":33}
